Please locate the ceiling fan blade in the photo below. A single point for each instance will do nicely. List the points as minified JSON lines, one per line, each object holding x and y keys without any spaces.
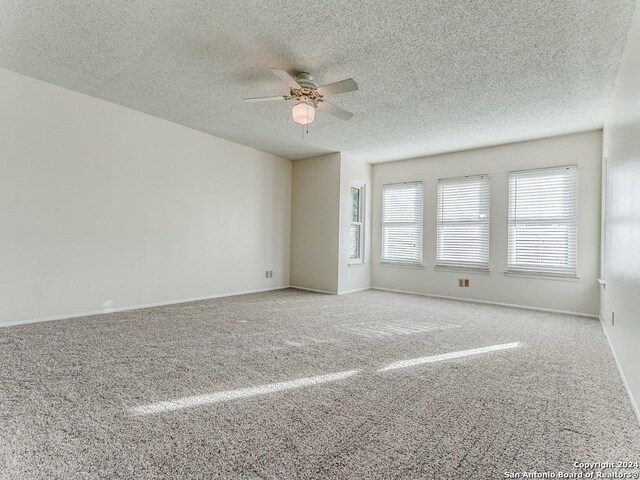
{"x":286,"y":78}
{"x":334,"y":110}
{"x":264,"y":99}
{"x":343,"y":86}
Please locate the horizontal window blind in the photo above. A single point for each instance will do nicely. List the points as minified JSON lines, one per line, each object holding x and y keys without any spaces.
{"x":355,"y":235}
{"x":402,"y":223}
{"x":463,"y":222}
{"x":543,"y":212}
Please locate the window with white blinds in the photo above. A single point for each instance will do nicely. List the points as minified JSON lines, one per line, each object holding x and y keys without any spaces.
{"x":463,"y":222}
{"x":402,"y":223}
{"x":356,"y":230}
{"x":543,"y":211}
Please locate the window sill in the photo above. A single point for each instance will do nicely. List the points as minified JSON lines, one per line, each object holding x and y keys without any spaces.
{"x":542,"y":276}
{"x":402,"y":265}
{"x":444,"y":268}
{"x":359,"y":264}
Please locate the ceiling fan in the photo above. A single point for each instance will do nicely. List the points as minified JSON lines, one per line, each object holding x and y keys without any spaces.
{"x":309,"y":96}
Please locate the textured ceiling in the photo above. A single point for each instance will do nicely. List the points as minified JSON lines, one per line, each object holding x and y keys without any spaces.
{"x":434,"y":76}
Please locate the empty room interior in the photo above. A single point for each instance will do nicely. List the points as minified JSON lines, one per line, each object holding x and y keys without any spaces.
{"x":337,"y":240}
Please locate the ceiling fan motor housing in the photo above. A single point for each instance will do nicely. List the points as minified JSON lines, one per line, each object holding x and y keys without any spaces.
{"x":305,"y":80}
{"x":308,"y":91}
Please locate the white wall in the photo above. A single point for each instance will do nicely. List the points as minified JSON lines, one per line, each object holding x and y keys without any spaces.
{"x":104,"y":207}
{"x":622,"y":218}
{"x":315,"y":223}
{"x":580,"y":296}
{"x":357,"y":276}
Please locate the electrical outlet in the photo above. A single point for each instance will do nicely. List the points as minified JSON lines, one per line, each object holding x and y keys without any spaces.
{"x":466,"y":282}
{"x":613,"y":319}
{"x":270,"y":273}
{"x":266,"y":274}
{"x":461,"y":282}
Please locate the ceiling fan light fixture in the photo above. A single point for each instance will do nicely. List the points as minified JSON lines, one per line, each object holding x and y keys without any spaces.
{"x":309,"y":97}
{"x":303,"y":113}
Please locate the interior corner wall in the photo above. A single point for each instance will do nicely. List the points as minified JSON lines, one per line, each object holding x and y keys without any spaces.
{"x":354,"y":277}
{"x":621,"y":254}
{"x":315,"y":223}
{"x":579,"y":296}
{"x":105,"y":208}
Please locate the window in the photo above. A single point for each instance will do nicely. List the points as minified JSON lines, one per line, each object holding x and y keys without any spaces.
{"x":402,"y":223}
{"x":543,"y":221}
{"x":356,"y":231}
{"x":604,"y":203}
{"x":463,"y":222}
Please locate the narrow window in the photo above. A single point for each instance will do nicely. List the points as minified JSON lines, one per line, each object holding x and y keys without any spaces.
{"x":402,"y":223}
{"x":463,"y":222}
{"x":543,"y":212}
{"x":356,"y":232}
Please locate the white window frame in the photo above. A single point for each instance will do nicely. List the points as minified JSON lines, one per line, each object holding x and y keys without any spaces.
{"x":449,"y":254}
{"x":567,"y":221}
{"x":359,"y":260}
{"x":418,"y":223}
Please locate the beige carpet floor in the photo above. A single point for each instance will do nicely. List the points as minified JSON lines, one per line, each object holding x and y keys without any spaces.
{"x":290,"y":384}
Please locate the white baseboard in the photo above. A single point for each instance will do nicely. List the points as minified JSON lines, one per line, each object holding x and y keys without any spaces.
{"x":472,"y":300}
{"x":354,"y":290}
{"x":634,"y":404}
{"x":328,"y":292}
{"x":313,"y":290}
{"x":135,"y":307}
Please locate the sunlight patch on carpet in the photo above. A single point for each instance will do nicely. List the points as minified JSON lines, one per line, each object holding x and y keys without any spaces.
{"x":227,"y":395}
{"x":448,"y":356}
{"x":381,"y":330}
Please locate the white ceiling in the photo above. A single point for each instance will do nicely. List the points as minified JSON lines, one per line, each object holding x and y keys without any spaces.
{"x":434,"y":76}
